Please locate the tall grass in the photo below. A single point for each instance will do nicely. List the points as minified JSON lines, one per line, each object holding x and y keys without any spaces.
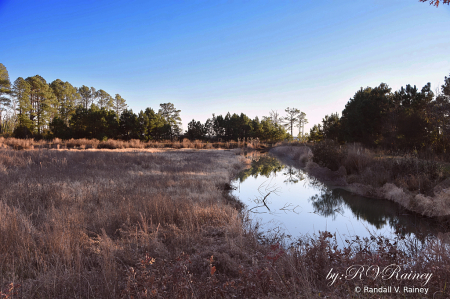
{"x":103,"y":224}
{"x":14,"y":143}
{"x":71,"y":223}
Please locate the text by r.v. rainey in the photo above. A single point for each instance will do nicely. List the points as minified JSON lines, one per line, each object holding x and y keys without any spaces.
{"x":391,"y":272}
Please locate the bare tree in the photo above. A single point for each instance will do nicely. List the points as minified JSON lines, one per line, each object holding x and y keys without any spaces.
{"x":275,"y":117}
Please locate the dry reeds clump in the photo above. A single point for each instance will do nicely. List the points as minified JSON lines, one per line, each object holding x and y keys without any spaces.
{"x":81,"y":143}
{"x":297,"y":153}
{"x":18,"y":143}
{"x":357,"y":159}
{"x":136,"y":143}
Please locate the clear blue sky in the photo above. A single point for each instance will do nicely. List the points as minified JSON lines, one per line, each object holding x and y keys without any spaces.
{"x":218,"y":56}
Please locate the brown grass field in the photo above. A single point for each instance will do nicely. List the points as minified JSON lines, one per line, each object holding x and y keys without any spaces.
{"x":160,"y":223}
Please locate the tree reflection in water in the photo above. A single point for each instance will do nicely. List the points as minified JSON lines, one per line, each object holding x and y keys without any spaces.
{"x":293,"y":176}
{"x":328,"y":202}
{"x":264,"y":166}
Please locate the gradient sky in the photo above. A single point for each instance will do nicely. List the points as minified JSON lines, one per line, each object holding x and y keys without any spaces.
{"x":238,"y":56}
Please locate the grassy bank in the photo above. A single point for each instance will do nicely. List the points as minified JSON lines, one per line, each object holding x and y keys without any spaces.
{"x":161,"y":224}
{"x":418,"y":184}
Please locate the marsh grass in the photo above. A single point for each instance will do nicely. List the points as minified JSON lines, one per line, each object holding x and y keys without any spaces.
{"x":416,"y":183}
{"x":23,"y":144}
{"x":72,"y":222}
{"x":161,"y":224}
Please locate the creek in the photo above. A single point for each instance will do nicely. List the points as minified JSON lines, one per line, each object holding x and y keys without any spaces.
{"x":284,"y":199}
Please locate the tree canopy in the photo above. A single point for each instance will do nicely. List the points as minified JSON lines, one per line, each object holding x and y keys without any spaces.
{"x":409,"y":118}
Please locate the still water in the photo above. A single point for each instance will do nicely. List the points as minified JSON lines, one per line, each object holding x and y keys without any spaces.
{"x":282,"y":197}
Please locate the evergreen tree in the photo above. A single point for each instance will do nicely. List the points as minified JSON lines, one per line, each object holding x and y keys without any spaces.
{"x":67,"y":97}
{"x":301,"y":122}
{"x":86,"y":96}
{"x":128,"y":125}
{"x":94,"y":123}
{"x":291,"y":118}
{"x":172,"y":117}
{"x":104,"y":100}
{"x":42,"y":102}
{"x":5,"y":91}
{"x":195,"y":130}
{"x":119,"y":105}
{"x":316,"y":133}
{"x":331,"y":126}
{"x":21,"y":92}
{"x":364,"y":115}
{"x":157,"y":127}
{"x":142,"y":126}
{"x":59,"y":128}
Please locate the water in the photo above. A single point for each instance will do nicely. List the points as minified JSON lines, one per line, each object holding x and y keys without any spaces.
{"x":282,"y":197}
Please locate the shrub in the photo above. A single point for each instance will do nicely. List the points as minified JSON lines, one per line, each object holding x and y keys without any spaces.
{"x":357,"y":159}
{"x":329,"y":154}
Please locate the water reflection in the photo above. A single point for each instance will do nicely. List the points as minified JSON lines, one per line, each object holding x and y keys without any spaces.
{"x":293,"y":176}
{"x":262,"y":201}
{"x":327,"y":203}
{"x":264,"y":166}
{"x":288,"y":195}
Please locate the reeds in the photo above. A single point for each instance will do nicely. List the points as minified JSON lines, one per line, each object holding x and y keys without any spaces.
{"x":23,"y":144}
{"x":112,"y":224}
{"x":71,"y":223}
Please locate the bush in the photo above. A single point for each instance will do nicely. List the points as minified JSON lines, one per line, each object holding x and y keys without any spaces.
{"x":357,"y":159}
{"x":329,"y":154}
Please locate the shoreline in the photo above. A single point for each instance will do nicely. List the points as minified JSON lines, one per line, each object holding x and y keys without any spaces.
{"x":301,"y":157}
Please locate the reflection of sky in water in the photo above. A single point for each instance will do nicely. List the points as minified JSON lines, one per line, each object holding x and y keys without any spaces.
{"x":302,"y":205}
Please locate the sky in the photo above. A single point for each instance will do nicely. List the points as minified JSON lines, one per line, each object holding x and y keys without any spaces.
{"x":248,"y":56}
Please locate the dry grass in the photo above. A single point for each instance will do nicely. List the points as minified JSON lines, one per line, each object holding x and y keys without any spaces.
{"x":73,"y":221}
{"x":417,"y":184}
{"x":83,"y":143}
{"x":297,"y":153}
{"x":141,"y":224}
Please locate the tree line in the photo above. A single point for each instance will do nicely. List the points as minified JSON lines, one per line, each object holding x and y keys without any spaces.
{"x":31,"y":107}
{"x":34,"y":108}
{"x":233,"y":127}
{"x":408,"y":118}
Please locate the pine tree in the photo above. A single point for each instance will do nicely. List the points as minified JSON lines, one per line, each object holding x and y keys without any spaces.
{"x":291,"y":118}
{"x":104,"y":100}
{"x":5,"y":91}
{"x":119,"y":105}
{"x":86,"y":96}
{"x":21,"y":92}
{"x":67,"y":97}
{"x":43,"y":102}
{"x":172,"y":116}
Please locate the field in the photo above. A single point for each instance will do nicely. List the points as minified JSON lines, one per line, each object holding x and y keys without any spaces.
{"x":160,"y":223}
{"x":72,"y":221}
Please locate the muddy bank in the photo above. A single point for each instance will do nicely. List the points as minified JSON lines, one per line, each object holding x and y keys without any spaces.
{"x":437,"y":206}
